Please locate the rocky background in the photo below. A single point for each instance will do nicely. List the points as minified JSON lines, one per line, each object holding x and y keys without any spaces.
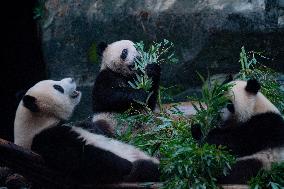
{"x":207,"y":34}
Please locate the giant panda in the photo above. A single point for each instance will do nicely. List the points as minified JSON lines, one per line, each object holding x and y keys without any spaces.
{"x":81,"y":155}
{"x":111,"y":91}
{"x":252,"y":129}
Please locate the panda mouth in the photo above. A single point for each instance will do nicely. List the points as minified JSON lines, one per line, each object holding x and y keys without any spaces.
{"x":75,"y":94}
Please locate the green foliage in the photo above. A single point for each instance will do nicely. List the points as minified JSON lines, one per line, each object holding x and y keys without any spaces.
{"x":128,"y":124}
{"x":92,"y":54}
{"x":213,"y":99}
{"x":188,"y":164}
{"x":246,"y":64}
{"x":269,"y":179}
{"x":157,"y":53}
{"x":270,"y":87}
{"x":39,"y":11}
{"x":167,"y":93}
{"x":144,"y":83}
{"x":184,"y":162}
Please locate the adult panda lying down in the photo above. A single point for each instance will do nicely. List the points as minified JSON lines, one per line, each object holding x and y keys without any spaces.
{"x":88,"y":157}
{"x":253,"y":130}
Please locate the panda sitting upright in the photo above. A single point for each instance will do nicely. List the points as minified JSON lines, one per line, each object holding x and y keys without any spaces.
{"x":111,"y":91}
{"x":253,"y":130}
{"x":83,"y":156}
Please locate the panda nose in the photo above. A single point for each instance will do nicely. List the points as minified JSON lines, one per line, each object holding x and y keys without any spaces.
{"x":124,"y":54}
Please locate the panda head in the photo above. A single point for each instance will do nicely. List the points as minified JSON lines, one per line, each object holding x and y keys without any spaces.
{"x":52,"y":98}
{"x":44,"y":105}
{"x":246,"y":101}
{"x":118,"y":56}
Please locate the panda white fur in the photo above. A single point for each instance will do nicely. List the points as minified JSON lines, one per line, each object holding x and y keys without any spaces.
{"x":253,"y":130}
{"x":88,"y":157}
{"x":111,"y":91}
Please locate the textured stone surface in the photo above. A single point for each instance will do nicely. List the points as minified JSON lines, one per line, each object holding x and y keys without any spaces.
{"x":208,"y":34}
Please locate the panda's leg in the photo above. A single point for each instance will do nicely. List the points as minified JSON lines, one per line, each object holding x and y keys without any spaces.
{"x":242,"y":172}
{"x":144,"y":171}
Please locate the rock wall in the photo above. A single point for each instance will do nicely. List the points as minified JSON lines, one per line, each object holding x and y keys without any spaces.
{"x":208,"y":34}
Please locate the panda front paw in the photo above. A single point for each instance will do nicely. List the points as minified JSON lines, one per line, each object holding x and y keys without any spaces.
{"x":153,"y":70}
{"x":196,"y":132}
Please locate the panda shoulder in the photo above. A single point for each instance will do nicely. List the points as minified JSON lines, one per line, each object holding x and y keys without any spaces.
{"x":106,"y":74}
{"x":266,"y":120}
{"x":52,"y":137}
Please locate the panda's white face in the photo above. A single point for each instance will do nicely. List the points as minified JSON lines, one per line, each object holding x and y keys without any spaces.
{"x":119,"y":57}
{"x":44,"y":105}
{"x":246,"y":101}
{"x":57,"y":98}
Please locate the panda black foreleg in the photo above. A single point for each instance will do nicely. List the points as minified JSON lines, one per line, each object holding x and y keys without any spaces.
{"x":153,"y":71}
{"x":121,"y":98}
{"x":216,"y":136}
{"x":242,"y":172}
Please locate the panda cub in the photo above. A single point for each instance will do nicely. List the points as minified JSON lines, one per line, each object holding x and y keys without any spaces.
{"x":111,"y":91}
{"x":253,"y":130}
{"x":87,"y":157}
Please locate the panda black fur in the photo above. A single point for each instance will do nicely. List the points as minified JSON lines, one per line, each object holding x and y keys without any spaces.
{"x":111,"y":91}
{"x":82,"y":152}
{"x":253,"y":130}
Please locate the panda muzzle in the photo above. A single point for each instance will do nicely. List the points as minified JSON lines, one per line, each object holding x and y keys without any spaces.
{"x":75,"y":94}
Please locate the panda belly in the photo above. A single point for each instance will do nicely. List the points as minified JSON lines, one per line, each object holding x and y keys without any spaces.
{"x":92,"y":158}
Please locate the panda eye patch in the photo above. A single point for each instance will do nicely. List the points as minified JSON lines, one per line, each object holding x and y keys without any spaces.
{"x":124,"y":54}
{"x":231,"y":108}
{"x":58,"y":88}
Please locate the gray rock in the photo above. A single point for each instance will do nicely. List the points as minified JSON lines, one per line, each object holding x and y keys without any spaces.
{"x":281,"y":3}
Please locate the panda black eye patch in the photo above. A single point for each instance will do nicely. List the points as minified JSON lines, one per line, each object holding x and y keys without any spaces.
{"x":231,"y":108}
{"x":58,"y":88}
{"x":124,"y":54}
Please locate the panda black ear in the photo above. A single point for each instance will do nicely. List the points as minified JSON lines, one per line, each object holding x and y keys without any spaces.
{"x":30,"y":103}
{"x":101,"y":47}
{"x":253,"y":86}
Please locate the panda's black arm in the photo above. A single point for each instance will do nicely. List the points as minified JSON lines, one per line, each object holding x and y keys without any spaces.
{"x":227,"y":137}
{"x":121,"y":99}
{"x":257,"y":134}
{"x":112,"y":92}
{"x":154,"y":72}
{"x":231,"y":137}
